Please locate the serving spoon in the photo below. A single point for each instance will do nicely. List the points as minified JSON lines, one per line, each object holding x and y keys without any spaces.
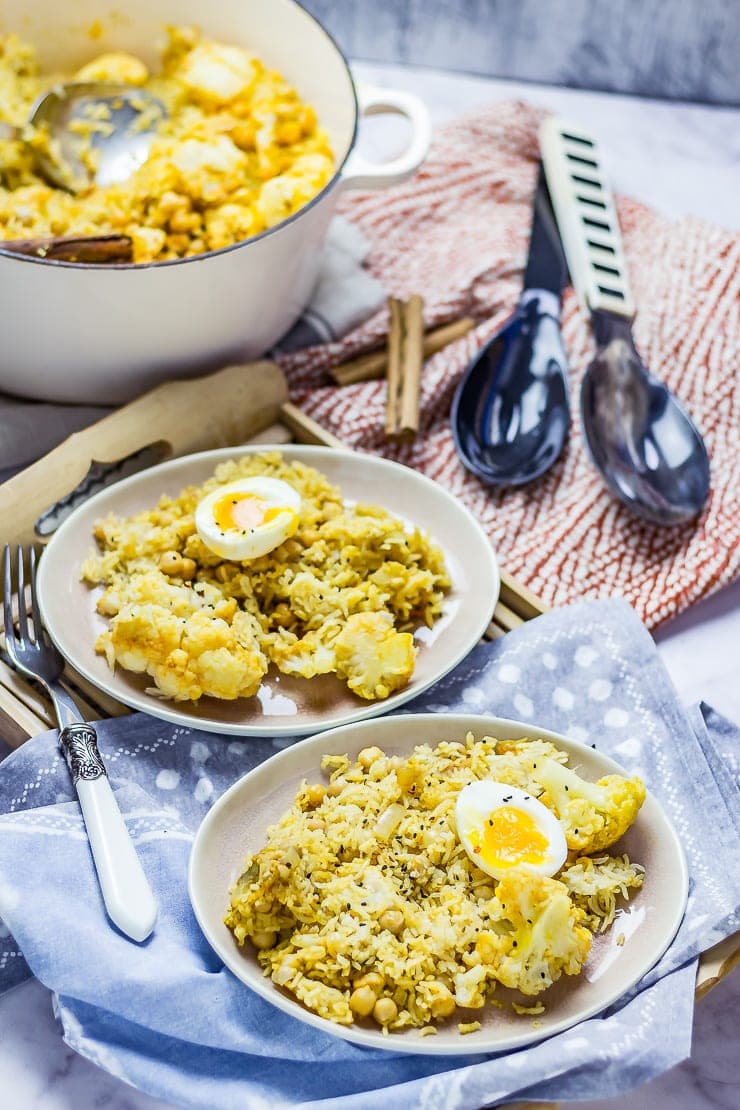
{"x":640,"y":438}
{"x":115,"y":123}
{"x":510,"y":411}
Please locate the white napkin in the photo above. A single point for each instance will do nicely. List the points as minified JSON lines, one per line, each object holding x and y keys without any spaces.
{"x":345,"y":295}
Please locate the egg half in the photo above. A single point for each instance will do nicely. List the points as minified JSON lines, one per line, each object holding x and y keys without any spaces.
{"x":502,"y":827}
{"x":245,"y":519}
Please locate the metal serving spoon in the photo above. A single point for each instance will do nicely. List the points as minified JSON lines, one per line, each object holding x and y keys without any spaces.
{"x":510,"y":411}
{"x":117,"y":122}
{"x":640,"y":438}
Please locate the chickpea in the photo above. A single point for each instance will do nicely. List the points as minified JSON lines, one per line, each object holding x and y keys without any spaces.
{"x":372,"y":979}
{"x":174,"y":565}
{"x":392,"y":920}
{"x":288,"y":133}
{"x":443,"y":1004}
{"x":263,"y":938}
{"x":315,"y":794}
{"x":184,"y":221}
{"x":406,"y":777}
{"x":336,"y":787}
{"x":108,"y":605}
{"x":244,"y":136}
{"x":367,"y":757}
{"x":385,"y":1011}
{"x":363,"y":1000}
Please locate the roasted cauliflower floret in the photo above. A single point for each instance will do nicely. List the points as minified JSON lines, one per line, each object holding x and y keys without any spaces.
{"x":546,"y":938}
{"x":188,"y":645}
{"x":594,"y":815}
{"x":217,"y":73}
{"x":374,"y":659}
{"x":117,"y":67}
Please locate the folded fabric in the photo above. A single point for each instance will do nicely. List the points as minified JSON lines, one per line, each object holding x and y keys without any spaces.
{"x":458,"y":233}
{"x":345,"y":295}
{"x":169,"y":1019}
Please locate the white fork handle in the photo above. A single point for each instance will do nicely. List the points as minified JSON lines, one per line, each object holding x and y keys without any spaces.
{"x":126,"y":892}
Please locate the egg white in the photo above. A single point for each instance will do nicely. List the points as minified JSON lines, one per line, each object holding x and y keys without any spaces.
{"x":241,"y":544}
{"x":479,"y":800}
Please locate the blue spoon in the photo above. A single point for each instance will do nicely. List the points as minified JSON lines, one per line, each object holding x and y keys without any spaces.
{"x":510,"y":413}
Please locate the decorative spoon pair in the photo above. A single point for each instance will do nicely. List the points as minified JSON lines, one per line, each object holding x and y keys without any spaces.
{"x":510,"y":414}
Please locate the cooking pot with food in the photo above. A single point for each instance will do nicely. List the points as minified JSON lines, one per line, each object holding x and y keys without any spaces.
{"x":103,"y":333}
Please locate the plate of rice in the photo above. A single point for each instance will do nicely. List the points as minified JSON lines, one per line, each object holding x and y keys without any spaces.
{"x":377,"y":583}
{"x":335,"y":880}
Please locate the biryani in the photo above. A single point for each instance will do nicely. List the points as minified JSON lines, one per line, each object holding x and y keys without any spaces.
{"x":367,"y":902}
{"x":342,"y":594}
{"x":238,"y":152}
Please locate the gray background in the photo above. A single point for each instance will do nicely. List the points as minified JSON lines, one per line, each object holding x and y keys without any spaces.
{"x":684,"y":49}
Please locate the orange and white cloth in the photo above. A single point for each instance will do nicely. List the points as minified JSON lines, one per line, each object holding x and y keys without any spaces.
{"x":458,"y":234}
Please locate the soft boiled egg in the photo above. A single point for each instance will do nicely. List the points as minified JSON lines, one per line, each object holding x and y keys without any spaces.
{"x":502,"y":827}
{"x":245,"y":519}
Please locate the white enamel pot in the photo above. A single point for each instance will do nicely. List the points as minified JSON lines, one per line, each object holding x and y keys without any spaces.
{"x":103,"y":334}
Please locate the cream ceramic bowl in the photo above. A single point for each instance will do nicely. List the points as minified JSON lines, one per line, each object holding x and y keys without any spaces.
{"x":103,"y":334}
{"x":236,"y":827}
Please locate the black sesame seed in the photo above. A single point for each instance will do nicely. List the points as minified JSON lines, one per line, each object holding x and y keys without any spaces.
{"x":514,"y":944}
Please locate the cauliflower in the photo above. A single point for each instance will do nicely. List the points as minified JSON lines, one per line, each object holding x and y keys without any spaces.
{"x":374,"y":659}
{"x":217,"y":73}
{"x":594,"y":815}
{"x":117,"y":67}
{"x":546,"y":937}
{"x":188,"y":645}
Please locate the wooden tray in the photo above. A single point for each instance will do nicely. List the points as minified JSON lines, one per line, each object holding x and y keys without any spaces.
{"x":237,"y":405}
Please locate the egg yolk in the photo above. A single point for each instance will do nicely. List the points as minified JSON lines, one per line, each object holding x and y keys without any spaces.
{"x":510,"y":838}
{"x":243,"y":512}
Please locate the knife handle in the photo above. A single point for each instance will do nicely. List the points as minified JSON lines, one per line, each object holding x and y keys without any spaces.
{"x":587,"y":217}
{"x":126,"y":892}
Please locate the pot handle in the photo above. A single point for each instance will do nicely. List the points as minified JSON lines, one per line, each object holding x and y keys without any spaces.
{"x":359,"y":172}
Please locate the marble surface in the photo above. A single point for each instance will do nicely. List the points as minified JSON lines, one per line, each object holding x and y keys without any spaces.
{"x":677,"y":158}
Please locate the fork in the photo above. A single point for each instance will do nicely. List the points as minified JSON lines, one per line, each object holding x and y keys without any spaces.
{"x":126,"y":892}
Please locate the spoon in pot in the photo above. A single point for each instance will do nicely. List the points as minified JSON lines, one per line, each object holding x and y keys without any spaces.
{"x":640,"y":438}
{"x":510,"y":411}
{"x":90,"y":132}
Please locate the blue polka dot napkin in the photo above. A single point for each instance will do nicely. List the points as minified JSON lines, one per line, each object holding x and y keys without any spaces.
{"x":169,"y":1019}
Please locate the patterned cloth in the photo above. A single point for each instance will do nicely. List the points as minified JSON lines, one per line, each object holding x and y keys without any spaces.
{"x":168,"y":1018}
{"x":458,"y":234}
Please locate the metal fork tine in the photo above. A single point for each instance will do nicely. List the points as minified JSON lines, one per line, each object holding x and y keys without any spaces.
{"x":8,"y":600}
{"x":21,"y":592}
{"x":38,"y":634}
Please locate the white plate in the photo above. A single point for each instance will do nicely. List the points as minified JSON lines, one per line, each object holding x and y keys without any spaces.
{"x":283,"y":706}
{"x":235,"y":827}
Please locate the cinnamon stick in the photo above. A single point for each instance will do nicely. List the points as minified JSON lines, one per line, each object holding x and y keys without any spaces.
{"x":90,"y":249}
{"x":394,"y":354}
{"x":411,"y":364}
{"x":371,"y":366}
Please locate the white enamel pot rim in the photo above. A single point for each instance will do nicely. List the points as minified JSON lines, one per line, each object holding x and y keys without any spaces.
{"x":353,"y":172}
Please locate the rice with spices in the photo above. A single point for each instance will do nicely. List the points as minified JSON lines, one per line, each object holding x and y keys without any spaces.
{"x":238,"y":153}
{"x":363,"y":903}
{"x":342,"y":595}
